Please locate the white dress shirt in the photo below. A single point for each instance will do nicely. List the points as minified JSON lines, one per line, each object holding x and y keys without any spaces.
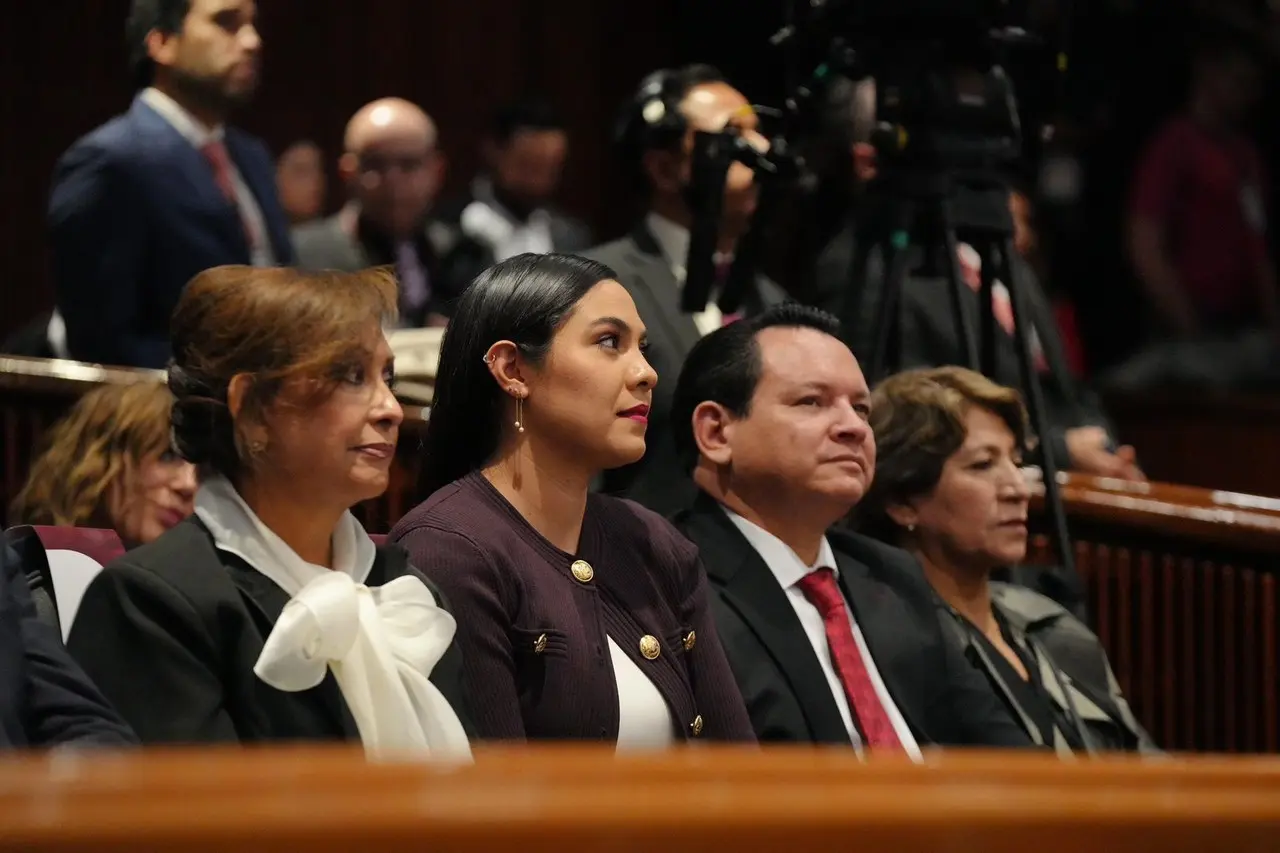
{"x":260,"y":252}
{"x":673,"y":240}
{"x":644,"y":720}
{"x":788,"y":569}
{"x":486,"y":220}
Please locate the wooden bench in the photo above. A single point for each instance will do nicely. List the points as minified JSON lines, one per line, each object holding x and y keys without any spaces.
{"x":550,"y":799}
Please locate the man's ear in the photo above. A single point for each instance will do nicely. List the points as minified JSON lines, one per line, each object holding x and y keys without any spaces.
{"x":162,"y":47}
{"x":712,"y":426}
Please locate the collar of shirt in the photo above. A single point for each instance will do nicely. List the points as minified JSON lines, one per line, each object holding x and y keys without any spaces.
{"x":180,"y":119}
{"x":673,"y":242}
{"x":786,"y":565}
{"x":482,"y":191}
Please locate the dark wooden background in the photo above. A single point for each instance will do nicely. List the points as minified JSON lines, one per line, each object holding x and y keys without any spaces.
{"x":64,"y":69}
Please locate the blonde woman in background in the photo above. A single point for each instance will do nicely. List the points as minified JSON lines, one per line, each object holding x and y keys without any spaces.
{"x":108,"y":464}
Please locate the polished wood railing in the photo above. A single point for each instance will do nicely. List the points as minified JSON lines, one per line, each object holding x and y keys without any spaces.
{"x":1182,"y":581}
{"x":553,"y":799}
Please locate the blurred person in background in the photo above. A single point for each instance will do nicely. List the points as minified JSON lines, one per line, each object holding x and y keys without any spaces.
{"x":392,"y":169}
{"x":301,"y":181}
{"x":155,"y":196}
{"x":510,"y":205}
{"x":109,"y":464}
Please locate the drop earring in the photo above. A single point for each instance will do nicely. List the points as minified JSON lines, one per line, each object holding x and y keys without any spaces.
{"x":519,"y":411}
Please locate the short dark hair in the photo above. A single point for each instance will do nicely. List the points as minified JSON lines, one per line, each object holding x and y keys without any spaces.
{"x":531,"y":113}
{"x":724,"y":367}
{"x":167,"y":16}
{"x":525,"y":299}
{"x":638,"y":130}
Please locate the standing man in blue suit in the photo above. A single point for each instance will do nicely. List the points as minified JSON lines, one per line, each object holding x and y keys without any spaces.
{"x":165,"y":191}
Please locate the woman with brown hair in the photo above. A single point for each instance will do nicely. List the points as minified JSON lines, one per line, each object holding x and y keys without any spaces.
{"x":949,"y":488}
{"x":108,"y":464}
{"x":270,"y":614}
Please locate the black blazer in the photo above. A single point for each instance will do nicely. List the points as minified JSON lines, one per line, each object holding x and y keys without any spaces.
{"x":660,"y":480}
{"x":45,"y":699}
{"x":941,"y":697}
{"x":171,"y":632}
{"x":534,"y":633}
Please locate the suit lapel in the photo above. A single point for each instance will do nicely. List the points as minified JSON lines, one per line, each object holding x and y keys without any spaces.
{"x":659,"y":288}
{"x":260,"y":179}
{"x":265,"y":602}
{"x":867,"y":600}
{"x":188,"y":175}
{"x":750,"y":589}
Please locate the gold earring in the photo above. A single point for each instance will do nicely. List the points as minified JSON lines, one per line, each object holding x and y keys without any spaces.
{"x":519,"y":410}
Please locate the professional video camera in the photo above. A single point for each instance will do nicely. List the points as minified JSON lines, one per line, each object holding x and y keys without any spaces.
{"x":948,"y":137}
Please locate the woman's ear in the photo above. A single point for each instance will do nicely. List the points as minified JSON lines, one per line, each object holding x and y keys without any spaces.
{"x":506,"y":368}
{"x":712,"y":432}
{"x":903,"y":515}
{"x":247,"y":423}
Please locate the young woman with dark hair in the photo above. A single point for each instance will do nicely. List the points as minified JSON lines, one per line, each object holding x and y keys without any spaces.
{"x":270,"y":614}
{"x":580,"y":616}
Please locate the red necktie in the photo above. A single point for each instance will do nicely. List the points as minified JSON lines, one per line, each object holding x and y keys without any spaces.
{"x":820,"y":587}
{"x":216,"y":153}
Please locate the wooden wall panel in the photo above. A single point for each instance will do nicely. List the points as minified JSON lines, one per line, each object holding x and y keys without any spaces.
{"x":65,"y":73}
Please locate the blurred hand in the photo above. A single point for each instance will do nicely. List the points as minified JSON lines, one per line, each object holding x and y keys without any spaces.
{"x":1087,"y":447}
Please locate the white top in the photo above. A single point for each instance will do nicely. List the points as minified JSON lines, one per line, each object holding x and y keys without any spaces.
{"x":673,"y":240}
{"x":261,"y":253}
{"x":486,"y":220}
{"x":644,"y":720}
{"x":789,"y":569}
{"x":381,"y":643}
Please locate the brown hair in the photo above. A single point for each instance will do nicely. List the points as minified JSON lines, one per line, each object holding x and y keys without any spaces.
{"x":101,"y":441}
{"x":918,"y":420}
{"x":276,"y":325}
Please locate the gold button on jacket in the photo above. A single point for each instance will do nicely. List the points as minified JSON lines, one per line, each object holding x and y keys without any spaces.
{"x":582,"y":571}
{"x":540,"y":644}
{"x":696,"y":726}
{"x":689,"y":640}
{"x":649,"y":647}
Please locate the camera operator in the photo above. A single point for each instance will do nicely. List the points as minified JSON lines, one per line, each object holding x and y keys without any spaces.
{"x":1078,"y":427}
{"x":656,"y":138}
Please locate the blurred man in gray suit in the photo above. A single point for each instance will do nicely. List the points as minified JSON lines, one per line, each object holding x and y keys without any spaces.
{"x":656,"y":133}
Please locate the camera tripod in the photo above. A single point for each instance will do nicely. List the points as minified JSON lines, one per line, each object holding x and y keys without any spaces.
{"x":929,"y":215}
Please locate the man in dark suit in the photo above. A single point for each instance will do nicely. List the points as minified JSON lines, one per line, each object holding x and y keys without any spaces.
{"x":509,"y":207}
{"x":392,"y":170}
{"x":167,"y":190}
{"x":45,"y":700}
{"x":833,"y":638}
{"x":655,"y":134}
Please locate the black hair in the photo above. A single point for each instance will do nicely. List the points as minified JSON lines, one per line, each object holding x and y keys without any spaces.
{"x":525,"y":299}
{"x":651,"y":118}
{"x":167,"y":16}
{"x":724,"y":367}
{"x":526,"y":114}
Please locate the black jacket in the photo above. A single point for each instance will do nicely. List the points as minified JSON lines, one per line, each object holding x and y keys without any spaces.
{"x":171,"y":632}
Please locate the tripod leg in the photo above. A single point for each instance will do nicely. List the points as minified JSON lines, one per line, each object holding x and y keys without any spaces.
{"x":964,"y":333}
{"x":1035,"y":401}
{"x":887,"y":356}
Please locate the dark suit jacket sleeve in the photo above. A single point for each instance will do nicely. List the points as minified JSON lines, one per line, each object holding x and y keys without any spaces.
{"x":61,"y":704}
{"x":715,"y":689}
{"x":98,"y":234}
{"x":146,"y":646}
{"x":477,"y":592}
{"x":980,"y":718}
